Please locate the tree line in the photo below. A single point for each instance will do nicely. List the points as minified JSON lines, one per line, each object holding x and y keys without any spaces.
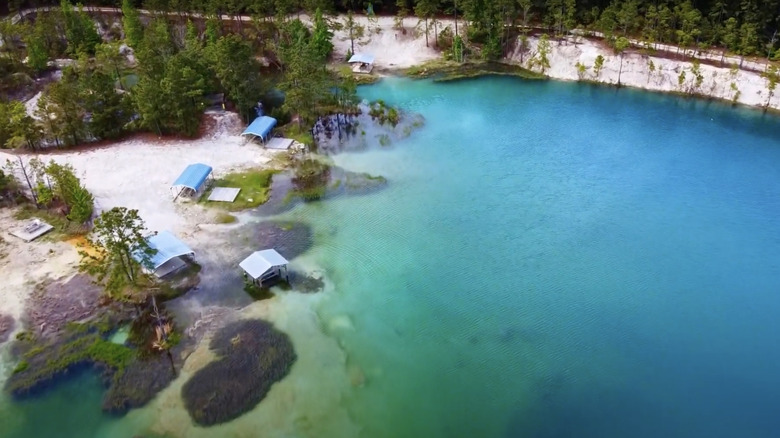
{"x":746,"y":27}
{"x":155,"y":74}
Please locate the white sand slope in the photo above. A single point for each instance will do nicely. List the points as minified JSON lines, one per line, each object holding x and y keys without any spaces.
{"x":636,"y":72}
{"x":391,"y":47}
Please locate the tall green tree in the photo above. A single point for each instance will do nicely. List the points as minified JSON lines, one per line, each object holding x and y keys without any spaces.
{"x":321,"y":36}
{"x":542,"y":56}
{"x":119,"y":252}
{"x":305,"y":82}
{"x":183,"y":88}
{"x":80,"y":30}
{"x":110,"y":61}
{"x":621,"y":44}
{"x":233,"y":64}
{"x":131,"y":24}
{"x":37,"y":54}
{"x":689,"y":19}
{"x":62,"y":110}
{"x":425,"y":10}
{"x":67,"y":187}
{"x":17,"y":128}
{"x":109,"y":110}
{"x":354,"y":30}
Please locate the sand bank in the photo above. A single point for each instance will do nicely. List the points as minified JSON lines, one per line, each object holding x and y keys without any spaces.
{"x":636,"y":72}
{"x":396,"y":49}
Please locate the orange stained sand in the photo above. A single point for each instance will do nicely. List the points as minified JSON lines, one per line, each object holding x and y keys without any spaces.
{"x":81,"y":244}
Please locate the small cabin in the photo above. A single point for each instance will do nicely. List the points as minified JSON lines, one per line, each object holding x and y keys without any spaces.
{"x":361,"y":63}
{"x":265,"y":266}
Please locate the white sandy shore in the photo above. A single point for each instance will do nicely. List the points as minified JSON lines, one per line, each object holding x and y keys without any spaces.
{"x":636,"y":72}
{"x":24,"y":265}
{"x":391,"y":47}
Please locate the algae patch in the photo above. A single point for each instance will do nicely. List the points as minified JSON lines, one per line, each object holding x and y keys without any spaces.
{"x":253,"y":356}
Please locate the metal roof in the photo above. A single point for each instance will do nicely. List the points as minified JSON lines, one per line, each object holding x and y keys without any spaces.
{"x":167,"y":246}
{"x":261,"y":262}
{"x":362,"y":57}
{"x":193,"y":176}
{"x":260,"y":127}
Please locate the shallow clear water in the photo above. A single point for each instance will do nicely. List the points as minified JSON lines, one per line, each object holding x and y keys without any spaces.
{"x":551,"y":260}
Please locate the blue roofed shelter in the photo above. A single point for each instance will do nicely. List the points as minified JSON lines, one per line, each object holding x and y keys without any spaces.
{"x":171,"y":254}
{"x":260,"y":127}
{"x":192,"y":181}
{"x":362,"y":62}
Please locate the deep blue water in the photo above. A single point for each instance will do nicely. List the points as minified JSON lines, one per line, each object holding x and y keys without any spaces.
{"x":551,"y":260}
{"x":560,"y":260}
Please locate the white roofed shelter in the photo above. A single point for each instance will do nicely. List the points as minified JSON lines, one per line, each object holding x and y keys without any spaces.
{"x":169,"y":255}
{"x":263,"y":266}
{"x":362,"y":63}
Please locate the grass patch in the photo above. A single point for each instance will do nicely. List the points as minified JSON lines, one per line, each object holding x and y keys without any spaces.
{"x":63,"y":228}
{"x":21,"y":366}
{"x":446,"y":71}
{"x":255,"y":188}
{"x":301,"y":135}
{"x":225,"y":218}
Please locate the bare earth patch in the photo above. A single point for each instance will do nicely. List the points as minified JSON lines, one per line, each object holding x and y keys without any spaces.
{"x":50,"y":307}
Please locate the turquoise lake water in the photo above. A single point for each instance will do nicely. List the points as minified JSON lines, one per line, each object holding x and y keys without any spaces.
{"x":549,"y":260}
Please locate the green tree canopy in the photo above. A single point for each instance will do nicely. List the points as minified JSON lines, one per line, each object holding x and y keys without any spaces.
{"x":115,"y":242}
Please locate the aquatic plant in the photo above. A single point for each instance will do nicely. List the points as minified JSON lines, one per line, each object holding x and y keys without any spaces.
{"x":139,"y":383}
{"x":253,"y":356}
{"x":43,"y":365}
{"x":311,"y":179}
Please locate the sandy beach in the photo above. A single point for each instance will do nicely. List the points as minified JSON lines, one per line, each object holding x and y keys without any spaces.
{"x":395,"y":49}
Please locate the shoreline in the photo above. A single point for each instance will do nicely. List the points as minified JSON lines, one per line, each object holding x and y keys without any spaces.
{"x":399,"y":49}
{"x":97,"y":165}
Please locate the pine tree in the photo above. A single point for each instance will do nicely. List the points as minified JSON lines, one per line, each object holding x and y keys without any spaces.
{"x":79,"y":29}
{"x":131,"y":23}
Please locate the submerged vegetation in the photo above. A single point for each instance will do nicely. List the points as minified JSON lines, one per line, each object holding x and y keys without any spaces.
{"x":253,"y":356}
{"x":316,"y":179}
{"x":43,"y":363}
{"x":444,"y":71}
